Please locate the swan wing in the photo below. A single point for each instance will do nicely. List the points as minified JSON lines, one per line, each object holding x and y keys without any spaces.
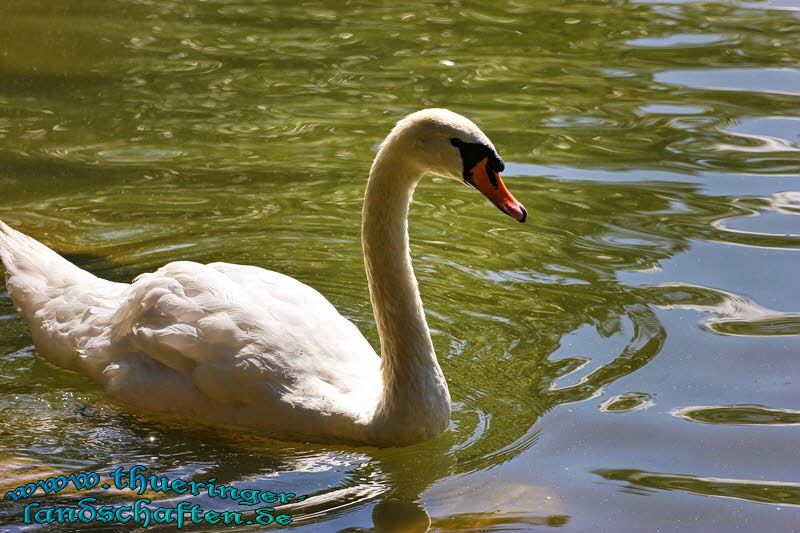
{"x":237,"y":342}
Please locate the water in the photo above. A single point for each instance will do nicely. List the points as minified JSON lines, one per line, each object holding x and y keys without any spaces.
{"x":625,"y":361}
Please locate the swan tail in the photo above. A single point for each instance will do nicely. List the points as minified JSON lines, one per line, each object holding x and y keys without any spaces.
{"x":34,"y":272}
{"x":60,"y":302}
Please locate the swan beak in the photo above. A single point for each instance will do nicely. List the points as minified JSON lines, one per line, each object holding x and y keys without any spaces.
{"x":491,"y":186}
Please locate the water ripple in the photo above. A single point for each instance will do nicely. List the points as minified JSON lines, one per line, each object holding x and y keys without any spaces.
{"x":742,"y":415}
{"x":757,"y":491}
{"x":629,"y":401}
{"x":775,"y":81}
{"x":732,"y":314}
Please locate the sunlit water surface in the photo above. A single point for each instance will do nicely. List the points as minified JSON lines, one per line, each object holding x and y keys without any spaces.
{"x":626,"y":361}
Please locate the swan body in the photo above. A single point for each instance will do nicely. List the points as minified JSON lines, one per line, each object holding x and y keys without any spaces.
{"x":243,"y":346}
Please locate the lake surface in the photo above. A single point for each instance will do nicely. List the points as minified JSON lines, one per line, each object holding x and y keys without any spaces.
{"x":626,"y":361}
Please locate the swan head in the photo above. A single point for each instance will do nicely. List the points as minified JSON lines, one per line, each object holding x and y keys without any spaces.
{"x":452,"y":146}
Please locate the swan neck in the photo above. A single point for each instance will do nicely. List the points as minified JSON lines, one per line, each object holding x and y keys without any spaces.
{"x":414,"y":390}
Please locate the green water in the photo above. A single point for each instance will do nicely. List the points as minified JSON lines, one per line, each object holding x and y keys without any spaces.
{"x":626,"y":361}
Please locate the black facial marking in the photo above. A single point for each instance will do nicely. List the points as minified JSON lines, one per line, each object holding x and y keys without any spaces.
{"x":474,"y":153}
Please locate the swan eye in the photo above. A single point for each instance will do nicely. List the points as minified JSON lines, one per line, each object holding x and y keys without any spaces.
{"x":482,"y":167}
{"x":474,"y":153}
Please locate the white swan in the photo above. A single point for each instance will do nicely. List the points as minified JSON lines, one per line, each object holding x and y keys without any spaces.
{"x":239,"y":345}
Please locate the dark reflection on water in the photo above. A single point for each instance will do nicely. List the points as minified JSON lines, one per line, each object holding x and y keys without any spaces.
{"x":753,"y":491}
{"x":739,"y":414}
{"x":645,"y":319}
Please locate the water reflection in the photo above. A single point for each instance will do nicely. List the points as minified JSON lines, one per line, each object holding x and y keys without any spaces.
{"x":739,"y":414}
{"x":750,"y":490}
{"x":733,"y":314}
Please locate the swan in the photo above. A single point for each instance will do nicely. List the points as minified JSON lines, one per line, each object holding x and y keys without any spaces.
{"x":236,"y":345}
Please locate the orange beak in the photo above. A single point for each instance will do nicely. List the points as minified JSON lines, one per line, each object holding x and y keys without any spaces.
{"x":489,"y":183}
